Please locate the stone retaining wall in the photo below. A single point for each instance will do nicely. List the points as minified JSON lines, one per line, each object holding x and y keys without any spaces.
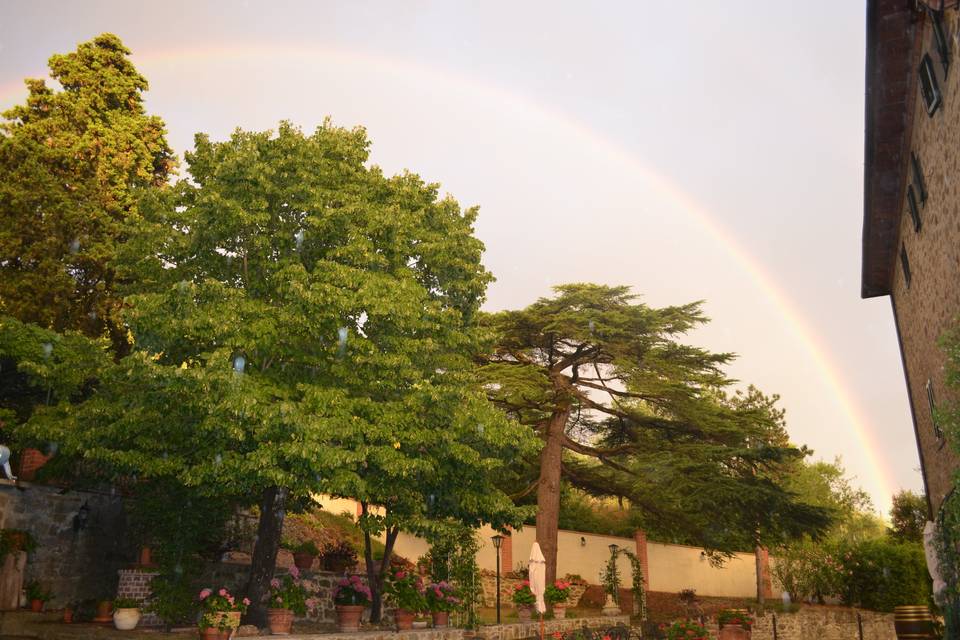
{"x":75,"y":564}
{"x":531,"y":629}
{"x":489,"y":584}
{"x":821,"y":624}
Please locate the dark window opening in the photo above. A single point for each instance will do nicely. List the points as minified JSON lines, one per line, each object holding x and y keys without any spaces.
{"x":914,"y":209}
{"x":937,"y":429}
{"x":929,"y":88}
{"x":905,"y":264}
{"x":940,"y":39}
{"x":918,"y":181}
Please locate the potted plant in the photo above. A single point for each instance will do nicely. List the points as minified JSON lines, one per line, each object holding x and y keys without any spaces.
{"x":339,"y":557}
{"x":441,"y":600}
{"x":304,"y":553}
{"x":37,"y":596}
{"x":68,"y":613}
{"x":126,"y":613}
{"x":685,"y":630}
{"x":351,"y":596}
{"x":524,"y":599}
{"x":104,"y":611}
{"x":735,"y":624}
{"x":219,"y":613}
{"x":405,"y":590}
{"x":556,"y":596}
{"x":289,"y":596}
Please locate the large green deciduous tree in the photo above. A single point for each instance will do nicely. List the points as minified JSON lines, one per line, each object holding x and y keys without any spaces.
{"x":302,"y":324}
{"x":625,"y":409}
{"x":72,"y":161}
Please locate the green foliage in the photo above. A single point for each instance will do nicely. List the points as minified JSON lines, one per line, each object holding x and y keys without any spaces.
{"x":686,"y":630}
{"x":734,"y":616}
{"x":72,"y":164}
{"x":35,"y":591}
{"x":557,"y":593}
{"x":522,"y":595}
{"x":610,"y":579}
{"x":642,"y":416}
{"x":908,"y":516}
{"x":882,"y":574}
{"x":809,"y":570}
{"x":126,"y":603}
{"x":289,"y":592}
{"x":453,"y":558}
{"x":877,"y":574}
{"x":404,"y":589}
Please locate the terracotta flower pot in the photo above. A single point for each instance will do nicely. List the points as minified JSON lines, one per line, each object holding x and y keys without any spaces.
{"x":303,"y":560}
{"x":280,"y":621}
{"x":734,"y":632}
{"x":126,"y":619}
{"x":559,"y":611}
{"x":36,"y":606}
{"x":441,"y":619}
{"x":524,"y":613}
{"x":404,"y":619}
{"x":228,"y":620}
{"x":146,"y":557}
{"x":104,"y":609}
{"x":348,"y":617}
{"x":67,"y":615}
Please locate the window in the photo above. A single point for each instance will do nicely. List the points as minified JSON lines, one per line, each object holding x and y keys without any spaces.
{"x":914,"y":209}
{"x":929,"y":88}
{"x":918,"y":182}
{"x":940,"y":39}
{"x":937,"y":430}
{"x":905,"y":264}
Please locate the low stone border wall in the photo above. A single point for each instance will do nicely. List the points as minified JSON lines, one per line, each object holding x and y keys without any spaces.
{"x":530,"y":629}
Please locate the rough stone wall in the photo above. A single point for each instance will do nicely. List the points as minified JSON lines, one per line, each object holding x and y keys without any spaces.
{"x":531,"y":629}
{"x":929,"y":306}
{"x":234,"y":577}
{"x":74,"y":565}
{"x":822,"y":624}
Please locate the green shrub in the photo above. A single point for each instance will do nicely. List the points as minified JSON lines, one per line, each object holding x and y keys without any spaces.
{"x":881,"y":574}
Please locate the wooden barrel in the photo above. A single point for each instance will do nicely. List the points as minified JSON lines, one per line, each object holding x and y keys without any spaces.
{"x":913,"y":622}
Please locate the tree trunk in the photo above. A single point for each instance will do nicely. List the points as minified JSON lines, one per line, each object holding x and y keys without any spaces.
{"x":548,"y":489}
{"x":758,"y":554}
{"x":375,"y":575}
{"x":264,"y":561}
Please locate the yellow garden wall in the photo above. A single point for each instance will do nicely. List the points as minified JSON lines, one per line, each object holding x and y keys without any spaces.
{"x":671,"y":567}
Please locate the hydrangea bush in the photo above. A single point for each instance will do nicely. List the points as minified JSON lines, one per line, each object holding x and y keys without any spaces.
{"x":351,"y":590}
{"x":442,"y":596}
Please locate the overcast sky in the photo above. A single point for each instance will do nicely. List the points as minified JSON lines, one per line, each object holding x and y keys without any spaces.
{"x":696,"y":150}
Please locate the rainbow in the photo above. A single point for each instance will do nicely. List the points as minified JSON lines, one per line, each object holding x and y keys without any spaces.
{"x":667,"y":188}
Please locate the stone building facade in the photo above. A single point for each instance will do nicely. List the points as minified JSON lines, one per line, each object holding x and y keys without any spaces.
{"x":911,"y":233}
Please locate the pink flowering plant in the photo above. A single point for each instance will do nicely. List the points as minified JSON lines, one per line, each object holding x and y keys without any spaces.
{"x":350,"y":590}
{"x":213,"y":604}
{"x":405,"y":589}
{"x":290,"y":592}
{"x":441,"y":596}
{"x":685,"y":630}
{"x":557,"y":593}
{"x":522,"y":595}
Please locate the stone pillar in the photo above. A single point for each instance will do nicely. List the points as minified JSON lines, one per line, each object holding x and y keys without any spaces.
{"x":765,"y":567}
{"x":135,"y":583}
{"x":506,"y":553}
{"x":30,"y":461}
{"x":640,"y":538}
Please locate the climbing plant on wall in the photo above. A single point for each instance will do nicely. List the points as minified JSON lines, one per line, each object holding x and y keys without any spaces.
{"x":611,"y":581}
